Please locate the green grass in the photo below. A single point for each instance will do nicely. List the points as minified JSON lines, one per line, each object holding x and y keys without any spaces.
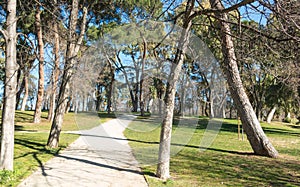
{"x":30,"y":140}
{"x":227,"y":162}
{"x":88,"y":120}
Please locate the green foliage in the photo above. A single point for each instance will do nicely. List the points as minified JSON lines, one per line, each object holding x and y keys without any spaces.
{"x":142,"y":7}
{"x":287,"y":120}
{"x":26,"y":21}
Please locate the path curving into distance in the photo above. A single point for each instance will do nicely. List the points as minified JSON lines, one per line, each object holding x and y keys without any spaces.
{"x":100,"y":157}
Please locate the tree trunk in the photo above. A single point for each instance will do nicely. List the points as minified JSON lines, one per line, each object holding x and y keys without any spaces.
{"x":19,"y":93}
{"x":142,"y":104}
{"x":182,"y":97}
{"x":55,"y":73}
{"x":10,"y":89}
{"x":68,"y":106}
{"x":211,"y":106}
{"x":136,"y":97}
{"x":256,"y":136}
{"x":40,"y":94}
{"x":24,"y":101}
{"x":207,"y":107}
{"x":271,"y":114}
{"x":84,"y":102}
{"x":64,"y":92}
{"x":110,"y":91}
{"x":166,"y":129}
{"x":287,"y":114}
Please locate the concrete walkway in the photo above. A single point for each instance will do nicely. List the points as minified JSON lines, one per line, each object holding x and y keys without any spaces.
{"x":100,"y":157}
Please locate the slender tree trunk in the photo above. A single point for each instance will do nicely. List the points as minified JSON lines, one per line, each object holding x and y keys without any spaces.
{"x":166,"y":129}
{"x":110,"y":91}
{"x":20,"y":91}
{"x":136,"y":97}
{"x":55,"y":73}
{"x":288,"y":115}
{"x":182,"y":98}
{"x":256,"y":136}
{"x":10,"y":88}
{"x":207,"y":107}
{"x":68,"y":107}
{"x":25,"y":98}
{"x":160,"y":96}
{"x":84,"y":102}
{"x":142,"y":104}
{"x":64,"y":92}
{"x":258,"y":110}
{"x":271,"y":114}
{"x":40,"y":94}
{"x":211,"y":106}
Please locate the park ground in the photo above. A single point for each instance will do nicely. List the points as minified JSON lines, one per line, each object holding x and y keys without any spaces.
{"x":227,"y":162}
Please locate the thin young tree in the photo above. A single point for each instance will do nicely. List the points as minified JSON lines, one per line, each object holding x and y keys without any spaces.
{"x":55,"y":72}
{"x":163,"y":167}
{"x":40,"y":93}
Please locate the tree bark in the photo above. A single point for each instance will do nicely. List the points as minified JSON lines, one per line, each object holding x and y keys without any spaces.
{"x":10,"y":88}
{"x":271,"y":114}
{"x":25,"y":98}
{"x":110,"y":91}
{"x":20,"y":91}
{"x":166,"y":129}
{"x":142,"y":104}
{"x":256,"y":136}
{"x":40,"y":94}
{"x":68,"y":106}
{"x":55,"y":74}
{"x":72,"y":51}
{"x":211,"y":106}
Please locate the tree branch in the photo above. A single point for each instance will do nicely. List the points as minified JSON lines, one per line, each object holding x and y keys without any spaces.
{"x":225,"y":10}
{"x":4,"y":33}
{"x":82,"y":31}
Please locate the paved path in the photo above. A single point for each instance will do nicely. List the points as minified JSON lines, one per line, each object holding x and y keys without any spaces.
{"x":100,"y":157}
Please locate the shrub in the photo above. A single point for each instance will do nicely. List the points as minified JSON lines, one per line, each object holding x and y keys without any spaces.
{"x":287,"y":120}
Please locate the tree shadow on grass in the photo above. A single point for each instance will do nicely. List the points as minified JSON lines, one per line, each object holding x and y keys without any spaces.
{"x":280,"y":131}
{"x":38,"y":149}
{"x":35,"y":146}
{"x":173,"y":144}
{"x":240,"y":170}
{"x":25,"y":117}
{"x":233,"y":128}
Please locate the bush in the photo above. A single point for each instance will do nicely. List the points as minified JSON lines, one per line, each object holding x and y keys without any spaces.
{"x":287,"y":120}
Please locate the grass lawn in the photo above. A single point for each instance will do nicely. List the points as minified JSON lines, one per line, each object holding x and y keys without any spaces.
{"x":30,"y":140}
{"x":227,"y":162}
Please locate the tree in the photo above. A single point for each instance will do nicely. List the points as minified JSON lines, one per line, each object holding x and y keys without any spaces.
{"x":11,"y":67}
{"x":40,"y":93}
{"x":73,"y":46}
{"x":256,"y":136}
{"x":55,"y":72}
{"x":25,"y":60}
{"x":166,"y":127}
